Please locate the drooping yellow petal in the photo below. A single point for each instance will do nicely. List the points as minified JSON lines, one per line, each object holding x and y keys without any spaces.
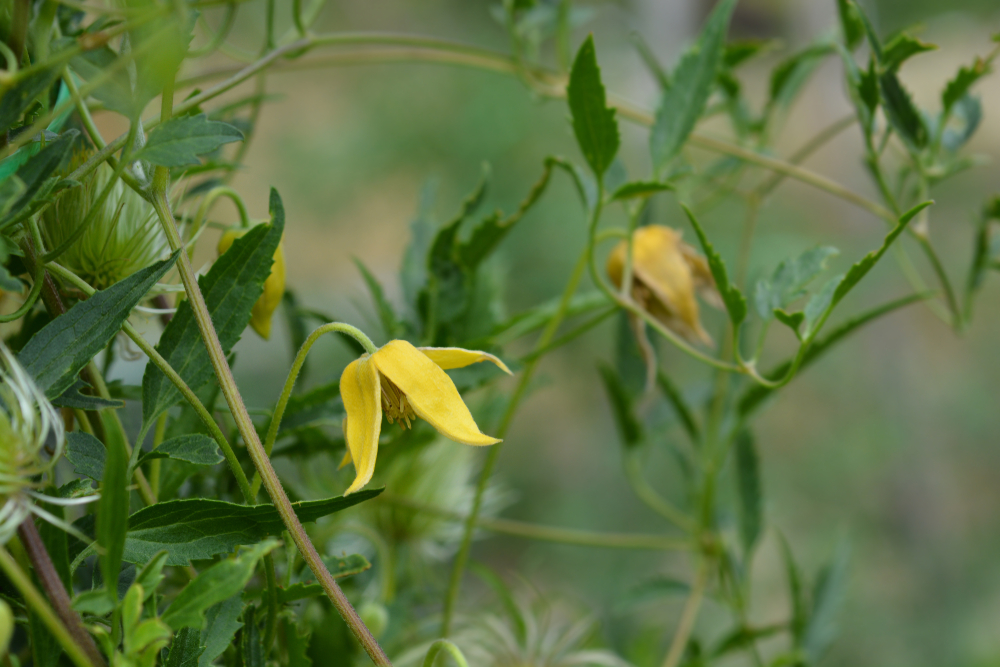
{"x":429,"y":391}
{"x":456,"y":357}
{"x":359,"y":389}
{"x":274,"y":285}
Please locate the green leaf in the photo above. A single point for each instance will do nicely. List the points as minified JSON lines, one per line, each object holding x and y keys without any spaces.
{"x":391,"y":326}
{"x":594,"y":123}
{"x":793,"y":575}
{"x":413,"y":272}
{"x":682,"y":104}
{"x":736,"y":304}
{"x":902,"y":113}
{"x":739,"y":51}
{"x":963,"y":81}
{"x":753,"y":397}
{"x":851,"y":25}
{"x":297,"y":641}
{"x":750,"y":495}
{"x":216,"y":584}
{"x":14,"y":101}
{"x":231,"y":288}
{"x":652,"y":590}
{"x":59,"y":351}
{"x":98,"y":602}
{"x":827,"y":600}
{"x":791,"y":320}
{"x":114,"y":90}
{"x":901,"y":48}
{"x":75,"y":398}
{"x":683,"y":410}
{"x":742,"y":638}
{"x":37,"y":176}
{"x":151,"y":575}
{"x":86,"y":453}
{"x":220,"y":626}
{"x":339,"y":568}
{"x":112,"y":509}
{"x":789,"y":279}
{"x":196,"y":448}
{"x":629,"y":426}
{"x":791,"y":74}
{"x":185,"y":650}
{"x":818,"y":306}
{"x":179,"y":141}
{"x":200,"y":528}
{"x":251,"y":643}
{"x":640,"y":189}
{"x":11,"y":189}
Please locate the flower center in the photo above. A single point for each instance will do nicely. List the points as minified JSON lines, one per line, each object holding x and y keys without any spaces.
{"x":395,"y":407}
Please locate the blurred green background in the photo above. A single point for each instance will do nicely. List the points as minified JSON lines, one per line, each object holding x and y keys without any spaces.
{"x":889,"y":442}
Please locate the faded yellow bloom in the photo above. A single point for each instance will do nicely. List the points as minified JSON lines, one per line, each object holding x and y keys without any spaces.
{"x":666,"y":274}
{"x":405,"y":382}
{"x":274,"y":286}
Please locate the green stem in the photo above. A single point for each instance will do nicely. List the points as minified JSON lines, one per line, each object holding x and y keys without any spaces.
{"x":458,"y":568}
{"x":656,"y":502}
{"x":37,"y":603}
{"x":293,"y":374}
{"x":688,"y":617}
{"x":244,"y":424}
{"x":444,"y":645}
{"x":554,"y":534}
{"x":272,"y":603}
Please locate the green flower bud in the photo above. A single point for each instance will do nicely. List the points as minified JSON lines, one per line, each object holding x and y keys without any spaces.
{"x":123,"y":237}
{"x":375,"y":616}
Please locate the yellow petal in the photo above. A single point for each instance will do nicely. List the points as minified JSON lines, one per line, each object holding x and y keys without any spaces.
{"x":359,"y":389}
{"x":429,"y":391}
{"x":660,"y":265}
{"x":456,"y":357}
{"x":274,"y":290}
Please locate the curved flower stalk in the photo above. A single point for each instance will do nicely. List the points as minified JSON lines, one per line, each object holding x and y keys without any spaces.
{"x":28,"y":422}
{"x":404,"y":382}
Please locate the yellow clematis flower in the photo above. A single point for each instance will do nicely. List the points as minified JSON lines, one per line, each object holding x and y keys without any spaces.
{"x":666,"y":273}
{"x":274,"y":286}
{"x":404,"y":382}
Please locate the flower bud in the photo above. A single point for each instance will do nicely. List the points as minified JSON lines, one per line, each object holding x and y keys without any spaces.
{"x":123,"y":237}
{"x":274,"y":286}
{"x":375,"y":616}
{"x":666,"y":274}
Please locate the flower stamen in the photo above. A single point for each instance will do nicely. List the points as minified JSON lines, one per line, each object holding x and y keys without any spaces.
{"x":395,"y":407}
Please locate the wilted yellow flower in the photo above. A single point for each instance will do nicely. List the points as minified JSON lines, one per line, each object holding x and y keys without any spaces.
{"x":666,"y":273}
{"x":274,"y":286}
{"x":405,"y":382}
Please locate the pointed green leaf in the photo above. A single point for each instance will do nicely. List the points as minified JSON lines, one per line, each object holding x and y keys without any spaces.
{"x":629,"y":426}
{"x":683,"y":410}
{"x":179,"y":141}
{"x":749,"y":487}
{"x":200,"y":528}
{"x":251,"y":643}
{"x":851,"y":26}
{"x":691,"y":85}
{"x":38,"y":176}
{"x":14,"y":101}
{"x":339,"y":568}
{"x":59,"y":351}
{"x":827,"y":599}
{"x":742,"y":638}
{"x":791,"y":320}
{"x":902,"y":113}
{"x":962,"y":83}
{"x":594,"y":123}
{"x":231,"y":288}
{"x":391,"y":326}
{"x":800,"y":613}
{"x":901,"y":48}
{"x":196,"y":448}
{"x":216,"y":584}
{"x":788,"y":78}
{"x":221,"y":623}
{"x":789,"y":279}
{"x":185,"y":649}
{"x":736,"y":304}
{"x":86,"y":453}
{"x":637,"y":189}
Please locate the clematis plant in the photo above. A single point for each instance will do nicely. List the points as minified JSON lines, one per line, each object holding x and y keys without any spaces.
{"x":404,"y":382}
